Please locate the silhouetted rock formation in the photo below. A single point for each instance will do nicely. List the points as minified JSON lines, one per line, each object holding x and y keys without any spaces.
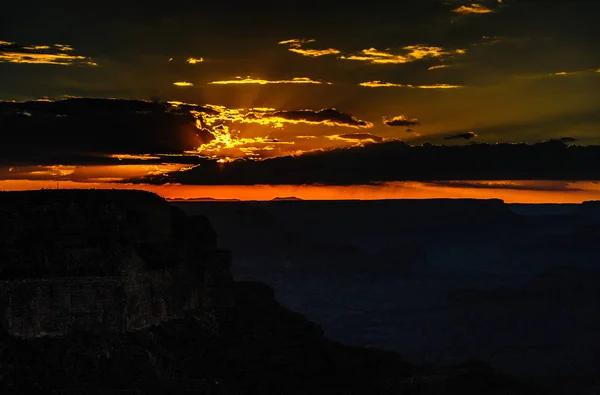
{"x":102,"y":261}
{"x":116,"y":292}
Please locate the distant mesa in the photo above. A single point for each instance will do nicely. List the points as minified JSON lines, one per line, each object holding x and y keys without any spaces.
{"x":286,"y":198}
{"x":201,"y":199}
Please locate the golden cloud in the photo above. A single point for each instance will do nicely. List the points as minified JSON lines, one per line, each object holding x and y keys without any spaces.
{"x":250,"y":80}
{"x":56,"y":54}
{"x":356,"y":138}
{"x":194,"y":60}
{"x":439,"y":86}
{"x":315,"y":52}
{"x":295,"y":45}
{"x":441,"y":66}
{"x":382,"y":84}
{"x":296,"y":42}
{"x":183,"y":84}
{"x":411,"y":53}
{"x":563,"y":73}
{"x":228,"y":143}
{"x":472,"y":9}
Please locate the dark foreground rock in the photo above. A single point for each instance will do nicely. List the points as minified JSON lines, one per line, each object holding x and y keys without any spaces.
{"x":254,"y":347}
{"x":180,"y":326}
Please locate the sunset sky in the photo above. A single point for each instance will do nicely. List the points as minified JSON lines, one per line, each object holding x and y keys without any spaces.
{"x":298,"y":86}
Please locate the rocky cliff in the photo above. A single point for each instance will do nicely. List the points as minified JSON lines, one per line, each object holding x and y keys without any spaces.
{"x":116,"y":292}
{"x":102,"y":261}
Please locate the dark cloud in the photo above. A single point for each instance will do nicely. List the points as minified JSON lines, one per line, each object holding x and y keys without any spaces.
{"x":326,"y":116}
{"x":398,"y":161}
{"x":409,"y":130}
{"x":465,"y":136}
{"x":87,"y":130}
{"x":564,"y":140}
{"x":401,"y":120}
{"x":549,"y":186}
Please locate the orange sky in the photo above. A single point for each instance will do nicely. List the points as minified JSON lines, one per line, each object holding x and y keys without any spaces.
{"x":529,"y":191}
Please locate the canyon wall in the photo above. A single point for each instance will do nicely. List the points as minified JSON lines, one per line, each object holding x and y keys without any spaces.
{"x":102,"y":261}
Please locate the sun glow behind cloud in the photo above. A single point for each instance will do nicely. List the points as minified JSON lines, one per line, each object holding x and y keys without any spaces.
{"x":525,"y":191}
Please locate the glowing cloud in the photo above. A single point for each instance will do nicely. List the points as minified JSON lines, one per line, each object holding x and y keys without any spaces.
{"x":442,"y":66}
{"x":411,"y":53}
{"x":439,"y":86}
{"x":357,"y":138}
{"x":382,"y":84}
{"x":194,"y":60}
{"x":250,"y":80}
{"x":295,"y":45}
{"x":183,"y":84}
{"x":56,"y":54}
{"x":315,"y":52}
{"x":211,"y":115}
{"x":472,"y":9}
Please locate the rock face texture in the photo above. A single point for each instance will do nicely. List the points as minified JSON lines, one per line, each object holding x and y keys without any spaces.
{"x":113,"y":292}
{"x":103,"y":261}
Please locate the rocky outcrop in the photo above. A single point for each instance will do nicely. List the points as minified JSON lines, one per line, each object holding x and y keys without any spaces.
{"x":103,"y":261}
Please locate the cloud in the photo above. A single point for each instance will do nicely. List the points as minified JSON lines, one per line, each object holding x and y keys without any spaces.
{"x":401,"y":120}
{"x":382,"y":84}
{"x":315,"y":52}
{"x":296,"y":46}
{"x":565,"y":73}
{"x":409,"y":54}
{"x":438,"y":86}
{"x":227,"y":142}
{"x":465,"y":136}
{"x":194,"y":60}
{"x":328,"y":116}
{"x":211,"y":115}
{"x":563,"y":140}
{"x":76,"y":131}
{"x":250,"y":80}
{"x":296,"y":42}
{"x":472,"y":9}
{"x":538,"y":185}
{"x":441,"y":66}
{"x":397,"y":161}
{"x":56,"y":54}
{"x":356,"y":137}
{"x":183,"y":84}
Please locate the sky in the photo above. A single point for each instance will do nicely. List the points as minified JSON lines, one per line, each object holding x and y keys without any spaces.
{"x":257,"y":86}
